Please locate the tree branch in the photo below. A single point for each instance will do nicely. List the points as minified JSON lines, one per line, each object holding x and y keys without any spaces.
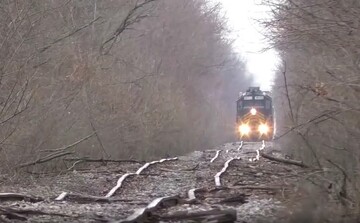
{"x":286,"y":161}
{"x":69,"y":34}
{"x":129,"y":20}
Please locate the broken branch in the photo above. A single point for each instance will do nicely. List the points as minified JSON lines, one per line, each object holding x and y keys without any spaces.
{"x":69,"y":146}
{"x":286,"y":161}
{"x":43,"y":160}
{"x":103,"y":160}
{"x":18,"y":197}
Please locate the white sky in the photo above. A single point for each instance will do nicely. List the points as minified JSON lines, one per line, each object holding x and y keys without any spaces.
{"x":249,"y":40}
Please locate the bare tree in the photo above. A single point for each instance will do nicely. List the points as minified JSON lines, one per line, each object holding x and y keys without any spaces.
{"x":318,"y":39}
{"x":113,"y":79}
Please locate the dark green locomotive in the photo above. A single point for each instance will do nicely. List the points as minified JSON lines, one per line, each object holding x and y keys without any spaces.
{"x":254,"y":118}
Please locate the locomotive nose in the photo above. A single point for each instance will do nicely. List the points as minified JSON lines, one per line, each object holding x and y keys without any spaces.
{"x":254,"y":117}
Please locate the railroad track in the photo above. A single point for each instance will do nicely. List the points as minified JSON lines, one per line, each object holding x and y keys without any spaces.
{"x":222,"y":185}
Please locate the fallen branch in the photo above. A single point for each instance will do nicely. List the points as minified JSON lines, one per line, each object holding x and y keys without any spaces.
{"x":196,"y":167}
{"x":181,"y":170}
{"x":60,"y":152}
{"x":18,"y":197}
{"x":74,"y":164}
{"x":144,"y":214}
{"x":81,"y":198}
{"x":12,"y":215}
{"x":18,"y":214}
{"x":45,"y":159}
{"x":249,"y":152}
{"x":248,"y":187}
{"x":286,"y":161}
{"x":90,"y":160}
{"x":214,"y":215}
{"x":239,"y":198}
{"x":69,"y":146}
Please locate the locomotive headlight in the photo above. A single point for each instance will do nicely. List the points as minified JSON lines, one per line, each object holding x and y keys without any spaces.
{"x":244,"y":129}
{"x":263,"y":129}
{"x":253,"y":111}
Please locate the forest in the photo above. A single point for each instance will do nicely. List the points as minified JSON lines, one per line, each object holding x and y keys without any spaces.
{"x":146,"y":79}
{"x":114,"y":79}
{"x":317,"y":94}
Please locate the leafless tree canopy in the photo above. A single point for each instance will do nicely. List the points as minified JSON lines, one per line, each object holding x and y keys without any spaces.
{"x":119,"y":79}
{"x":319,"y":114}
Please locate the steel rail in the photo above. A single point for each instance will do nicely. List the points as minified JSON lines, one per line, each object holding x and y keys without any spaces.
{"x":141,"y":214}
{"x":216,"y":156}
{"x":241,"y":145}
{"x":258,"y":152}
{"x":223,"y":170}
{"x":120,"y":181}
{"x":138,"y":172}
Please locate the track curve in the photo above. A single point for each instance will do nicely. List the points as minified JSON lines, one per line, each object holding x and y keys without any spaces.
{"x":233,"y":178}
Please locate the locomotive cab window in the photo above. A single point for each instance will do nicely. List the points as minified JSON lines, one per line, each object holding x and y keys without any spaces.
{"x":254,"y":104}
{"x":239,"y":105}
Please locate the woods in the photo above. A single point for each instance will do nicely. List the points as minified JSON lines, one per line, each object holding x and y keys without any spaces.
{"x":114,"y":79}
{"x":120,"y":83}
{"x":317,"y":91}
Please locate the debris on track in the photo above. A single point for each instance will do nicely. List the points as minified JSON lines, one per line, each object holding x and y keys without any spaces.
{"x":233,"y":183}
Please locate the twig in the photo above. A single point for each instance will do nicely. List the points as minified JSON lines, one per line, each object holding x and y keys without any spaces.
{"x":98,"y":138}
{"x":74,"y":164}
{"x":69,"y":34}
{"x":287,"y":94}
{"x":43,"y":160}
{"x":311,"y":149}
{"x":194,"y":168}
{"x":320,"y":117}
{"x":343,"y":192}
{"x":130,"y":19}
{"x":69,"y":146}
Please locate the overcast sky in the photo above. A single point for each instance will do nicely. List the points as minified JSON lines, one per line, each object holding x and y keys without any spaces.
{"x":249,"y":40}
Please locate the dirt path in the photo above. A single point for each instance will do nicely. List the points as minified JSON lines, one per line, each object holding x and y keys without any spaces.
{"x":227,"y":184}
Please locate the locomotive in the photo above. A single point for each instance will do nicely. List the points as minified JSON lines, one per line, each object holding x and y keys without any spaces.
{"x":254,"y":116}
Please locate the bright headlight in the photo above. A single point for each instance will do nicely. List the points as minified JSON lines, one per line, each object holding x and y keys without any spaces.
{"x":253,"y":111}
{"x":244,"y":129}
{"x":263,"y":129}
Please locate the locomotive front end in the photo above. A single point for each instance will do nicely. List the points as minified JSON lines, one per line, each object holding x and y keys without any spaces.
{"x":254,"y":116}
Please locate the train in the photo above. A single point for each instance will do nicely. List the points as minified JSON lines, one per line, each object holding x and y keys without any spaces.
{"x":255,"y":115}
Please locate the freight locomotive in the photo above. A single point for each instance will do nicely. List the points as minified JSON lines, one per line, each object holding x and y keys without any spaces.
{"x":254,"y":118}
